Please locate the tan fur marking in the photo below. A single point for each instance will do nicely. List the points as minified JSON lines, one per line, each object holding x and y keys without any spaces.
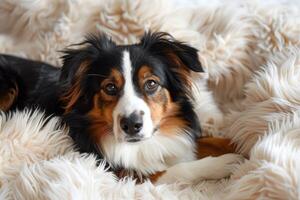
{"x":101,"y":119}
{"x":103,"y":107}
{"x":144,"y":72}
{"x":154,"y":177}
{"x":159,"y":104}
{"x":209,"y":146}
{"x":163,"y":110}
{"x":74,"y":93}
{"x":158,"y":101}
{"x":7,"y":100}
{"x":116,"y":78}
{"x":169,"y":122}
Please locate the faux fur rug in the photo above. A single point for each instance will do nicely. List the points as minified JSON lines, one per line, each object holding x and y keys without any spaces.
{"x":249,"y":93}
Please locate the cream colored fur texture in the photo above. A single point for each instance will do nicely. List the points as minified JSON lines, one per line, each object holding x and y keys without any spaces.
{"x":249,"y":93}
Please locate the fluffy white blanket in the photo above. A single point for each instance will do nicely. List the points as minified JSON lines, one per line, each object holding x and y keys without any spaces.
{"x":250,"y":93}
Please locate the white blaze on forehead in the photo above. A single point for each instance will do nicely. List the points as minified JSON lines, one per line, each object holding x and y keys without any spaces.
{"x":129,"y":102}
{"x":127,"y":72}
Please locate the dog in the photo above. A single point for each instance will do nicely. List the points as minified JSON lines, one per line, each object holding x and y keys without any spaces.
{"x":132,"y":105}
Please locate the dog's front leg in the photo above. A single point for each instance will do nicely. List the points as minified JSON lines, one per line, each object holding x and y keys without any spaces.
{"x":204,"y":169}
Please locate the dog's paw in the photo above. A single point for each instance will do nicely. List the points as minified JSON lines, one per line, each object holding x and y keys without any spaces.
{"x":226,"y":164}
{"x":208,"y":168}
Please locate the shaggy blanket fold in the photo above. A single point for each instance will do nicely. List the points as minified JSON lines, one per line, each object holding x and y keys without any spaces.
{"x":249,"y":93}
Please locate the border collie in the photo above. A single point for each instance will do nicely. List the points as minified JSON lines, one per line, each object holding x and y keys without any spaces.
{"x":129,"y":104}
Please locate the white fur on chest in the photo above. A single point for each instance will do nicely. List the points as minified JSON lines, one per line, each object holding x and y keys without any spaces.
{"x":149,"y":156}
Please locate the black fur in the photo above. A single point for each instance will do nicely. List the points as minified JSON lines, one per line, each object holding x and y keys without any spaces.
{"x":41,"y":85}
{"x":37,"y":83}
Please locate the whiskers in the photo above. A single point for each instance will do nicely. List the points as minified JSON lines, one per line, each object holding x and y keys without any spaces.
{"x":97,"y":75}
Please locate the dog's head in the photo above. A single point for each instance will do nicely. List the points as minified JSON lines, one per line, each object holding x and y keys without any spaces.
{"x":131,"y":93}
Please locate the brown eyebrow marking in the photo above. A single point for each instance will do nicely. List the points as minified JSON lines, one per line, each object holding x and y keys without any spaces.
{"x":116,"y":77}
{"x":144,"y":71}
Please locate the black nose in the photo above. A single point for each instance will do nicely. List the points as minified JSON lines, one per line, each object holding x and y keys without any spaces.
{"x":132,"y":124}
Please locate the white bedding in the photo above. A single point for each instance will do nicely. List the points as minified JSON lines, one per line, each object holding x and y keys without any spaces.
{"x":250,"y":92}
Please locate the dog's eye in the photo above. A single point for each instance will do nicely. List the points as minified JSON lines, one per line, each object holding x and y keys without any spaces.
{"x":111,"y":89}
{"x":151,"y":86}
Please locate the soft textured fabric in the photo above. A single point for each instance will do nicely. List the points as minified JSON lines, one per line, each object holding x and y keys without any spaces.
{"x":249,"y":93}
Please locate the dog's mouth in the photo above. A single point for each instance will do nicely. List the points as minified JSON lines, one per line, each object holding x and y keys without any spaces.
{"x":135,"y":139}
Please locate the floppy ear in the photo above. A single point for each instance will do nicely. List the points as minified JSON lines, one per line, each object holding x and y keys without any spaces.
{"x":179,"y":53}
{"x":76,"y":63}
{"x":73,"y":59}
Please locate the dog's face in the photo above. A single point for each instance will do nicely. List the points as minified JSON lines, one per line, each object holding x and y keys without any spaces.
{"x":131,"y":93}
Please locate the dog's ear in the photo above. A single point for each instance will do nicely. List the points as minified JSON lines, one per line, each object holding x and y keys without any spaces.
{"x":76,"y":63}
{"x":179,"y":53}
